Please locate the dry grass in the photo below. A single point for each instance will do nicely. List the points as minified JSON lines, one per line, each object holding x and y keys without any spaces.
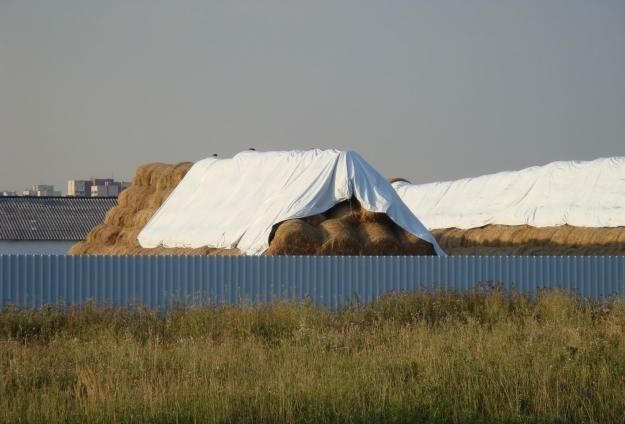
{"x":480,"y":357}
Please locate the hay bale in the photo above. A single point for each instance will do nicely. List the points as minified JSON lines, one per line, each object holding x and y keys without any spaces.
{"x":560,"y":235}
{"x":370,"y":216}
{"x":143,"y":174}
{"x":578,"y":236}
{"x":135,"y":198}
{"x":118,"y":216}
{"x":180,"y":170}
{"x":379,"y":239}
{"x":352,"y":211}
{"x":509,"y":236}
{"x":315,"y":219}
{"x":471,"y":237}
{"x":340,"y":238}
{"x":348,"y":210}
{"x":155,"y":201}
{"x":141,"y":218}
{"x":161,"y":176}
{"x":449,"y":238}
{"x":413,"y":245}
{"x":128,"y":237}
{"x":489,"y":235}
{"x":621,"y":236}
{"x":166,"y":176}
{"x":213,"y":251}
{"x":535,"y":235}
{"x":502,"y":236}
{"x":527,"y":240}
{"x":104,"y":233}
{"x":605,"y":236}
{"x":295,"y":237}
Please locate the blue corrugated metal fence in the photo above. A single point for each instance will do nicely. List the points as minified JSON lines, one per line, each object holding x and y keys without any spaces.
{"x":157,"y":281}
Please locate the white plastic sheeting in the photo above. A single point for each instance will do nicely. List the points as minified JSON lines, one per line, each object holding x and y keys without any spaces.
{"x":229,"y":203}
{"x":583,"y":194}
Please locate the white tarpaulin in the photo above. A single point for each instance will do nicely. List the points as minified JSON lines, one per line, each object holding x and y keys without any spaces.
{"x":229,"y":203}
{"x":583,"y":194}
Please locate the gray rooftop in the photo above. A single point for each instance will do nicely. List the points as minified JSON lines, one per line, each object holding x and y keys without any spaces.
{"x":51,"y":218}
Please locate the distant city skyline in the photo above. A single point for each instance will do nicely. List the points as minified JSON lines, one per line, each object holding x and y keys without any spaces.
{"x":429,"y":91}
{"x":97,"y":187}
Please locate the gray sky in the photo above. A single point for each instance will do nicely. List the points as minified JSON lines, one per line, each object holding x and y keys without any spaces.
{"x":429,"y":91}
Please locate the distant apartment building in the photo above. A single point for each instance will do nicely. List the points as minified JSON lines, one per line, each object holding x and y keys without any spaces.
{"x":8,"y":193}
{"x":96,"y":187}
{"x":41,"y":190}
{"x":79,"y":188}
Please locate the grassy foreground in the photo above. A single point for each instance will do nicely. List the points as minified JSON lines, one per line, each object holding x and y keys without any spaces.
{"x":481,"y":357}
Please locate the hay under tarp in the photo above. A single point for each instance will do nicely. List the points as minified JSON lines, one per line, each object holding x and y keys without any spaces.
{"x":584,"y":194}
{"x":237,"y":201}
{"x":517,"y":240}
{"x":345,"y":229}
{"x":527,"y":240}
{"x":151,"y":185}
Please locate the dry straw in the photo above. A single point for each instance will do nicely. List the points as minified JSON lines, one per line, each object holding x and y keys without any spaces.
{"x":377,"y":238}
{"x":295,"y":237}
{"x":340,"y":237}
{"x":527,"y":240}
{"x":345,"y":229}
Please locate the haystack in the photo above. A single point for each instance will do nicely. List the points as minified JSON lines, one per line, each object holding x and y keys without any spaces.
{"x":345,"y":229}
{"x":527,"y":240}
{"x":499,"y":240}
{"x":151,"y":185}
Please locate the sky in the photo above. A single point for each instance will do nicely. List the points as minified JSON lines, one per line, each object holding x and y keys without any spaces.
{"x":425,"y":90}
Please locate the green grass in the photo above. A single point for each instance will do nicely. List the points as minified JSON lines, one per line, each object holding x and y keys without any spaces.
{"x":479,"y":357}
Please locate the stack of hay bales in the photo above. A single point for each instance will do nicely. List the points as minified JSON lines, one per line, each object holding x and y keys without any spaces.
{"x":527,"y":240}
{"x":151,"y":185}
{"x":345,"y":229}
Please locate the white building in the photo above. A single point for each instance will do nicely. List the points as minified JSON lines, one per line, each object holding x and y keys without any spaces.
{"x":79,"y":188}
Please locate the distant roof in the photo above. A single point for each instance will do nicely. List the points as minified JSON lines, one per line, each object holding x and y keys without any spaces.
{"x":51,"y":218}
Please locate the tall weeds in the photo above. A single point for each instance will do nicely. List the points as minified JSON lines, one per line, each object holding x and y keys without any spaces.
{"x":445,"y":357}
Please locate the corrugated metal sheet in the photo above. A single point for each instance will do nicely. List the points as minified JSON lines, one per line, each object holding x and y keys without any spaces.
{"x":157,"y":281}
{"x":51,"y":218}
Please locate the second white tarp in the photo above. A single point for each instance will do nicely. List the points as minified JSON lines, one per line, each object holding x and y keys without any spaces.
{"x":583,"y":194}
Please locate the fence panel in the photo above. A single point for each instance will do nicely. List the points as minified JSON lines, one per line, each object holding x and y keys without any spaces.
{"x":158,"y":281}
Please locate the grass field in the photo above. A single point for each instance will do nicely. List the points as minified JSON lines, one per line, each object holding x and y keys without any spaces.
{"x":480,"y":357}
